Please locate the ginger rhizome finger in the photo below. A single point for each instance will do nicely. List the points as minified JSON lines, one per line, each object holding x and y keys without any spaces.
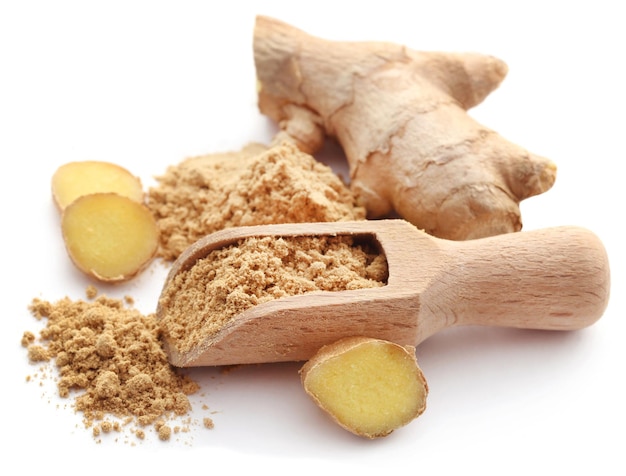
{"x":75,"y":179}
{"x":370,"y":387}
{"x":108,"y":236}
{"x":401,"y":118}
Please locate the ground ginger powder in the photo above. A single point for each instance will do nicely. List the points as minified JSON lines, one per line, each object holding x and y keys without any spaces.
{"x":111,"y":354}
{"x":254,"y":186}
{"x":203,"y":299}
{"x":111,"y":357}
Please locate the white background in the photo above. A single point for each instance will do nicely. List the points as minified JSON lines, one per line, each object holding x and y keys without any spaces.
{"x":146,"y":84}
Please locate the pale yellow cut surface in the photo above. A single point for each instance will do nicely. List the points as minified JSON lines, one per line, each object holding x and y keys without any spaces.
{"x":369,"y":386}
{"x":109,"y":236}
{"x":75,"y":179}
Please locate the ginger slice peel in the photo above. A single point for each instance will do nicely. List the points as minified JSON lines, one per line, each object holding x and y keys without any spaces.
{"x":108,"y":236}
{"x":370,"y":387}
{"x":401,"y":118}
{"x":75,"y":179}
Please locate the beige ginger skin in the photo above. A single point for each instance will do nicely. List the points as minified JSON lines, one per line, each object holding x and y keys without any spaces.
{"x":401,"y":118}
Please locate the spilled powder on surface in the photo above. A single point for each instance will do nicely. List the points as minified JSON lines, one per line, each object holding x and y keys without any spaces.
{"x":110,"y":362}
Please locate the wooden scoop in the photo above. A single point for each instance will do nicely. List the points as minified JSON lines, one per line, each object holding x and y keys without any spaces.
{"x":553,"y":279}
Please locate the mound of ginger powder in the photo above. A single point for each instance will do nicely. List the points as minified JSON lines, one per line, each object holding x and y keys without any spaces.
{"x":257,"y":185}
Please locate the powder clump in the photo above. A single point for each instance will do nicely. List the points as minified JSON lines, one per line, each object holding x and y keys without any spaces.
{"x":254,"y":186}
{"x":112,"y":355}
{"x":200,"y":301}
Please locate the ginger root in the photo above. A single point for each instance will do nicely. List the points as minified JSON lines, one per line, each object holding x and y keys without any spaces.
{"x":401,"y":118}
{"x":368,"y":386}
{"x":75,"y":179}
{"x":108,"y":236}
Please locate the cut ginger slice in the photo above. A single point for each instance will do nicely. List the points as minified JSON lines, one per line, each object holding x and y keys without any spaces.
{"x":75,"y":179}
{"x":108,"y":236}
{"x":368,"y":386}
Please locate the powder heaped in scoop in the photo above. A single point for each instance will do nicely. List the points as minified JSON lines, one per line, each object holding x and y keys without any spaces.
{"x":200,"y":301}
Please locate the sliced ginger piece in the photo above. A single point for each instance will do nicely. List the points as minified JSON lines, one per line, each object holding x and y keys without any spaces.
{"x":108,"y":236}
{"x":75,"y":179}
{"x":368,"y":386}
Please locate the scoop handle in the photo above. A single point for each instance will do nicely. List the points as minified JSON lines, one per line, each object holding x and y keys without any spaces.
{"x":555,"y":278}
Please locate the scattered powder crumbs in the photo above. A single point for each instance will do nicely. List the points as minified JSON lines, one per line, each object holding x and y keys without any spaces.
{"x":208,"y":423}
{"x":112,"y":356}
{"x":28,"y":338}
{"x":38,"y":353}
{"x":254,"y":186}
{"x":164,"y":431}
{"x":203,"y":299}
{"x":91,"y":292}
